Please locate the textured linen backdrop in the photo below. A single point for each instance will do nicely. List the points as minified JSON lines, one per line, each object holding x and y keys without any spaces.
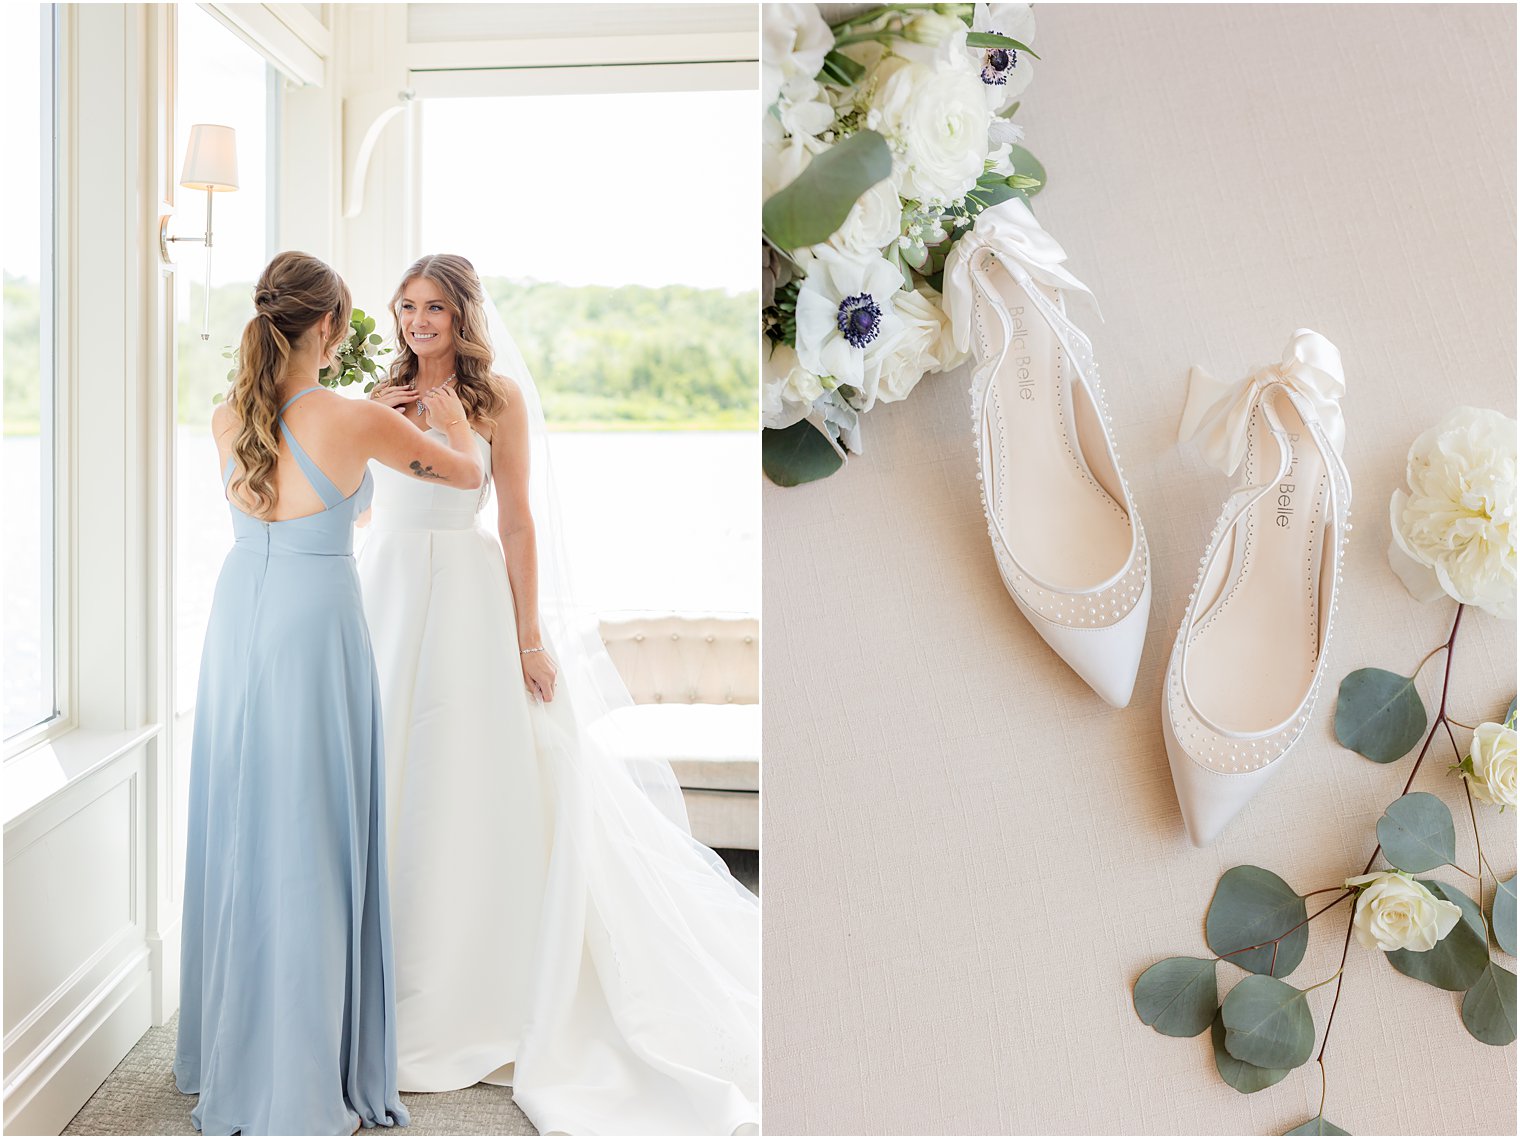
{"x":969,"y":857}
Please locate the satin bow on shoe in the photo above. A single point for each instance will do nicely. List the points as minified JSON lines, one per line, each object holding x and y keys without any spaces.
{"x":1217,"y":415}
{"x":1010,"y":230}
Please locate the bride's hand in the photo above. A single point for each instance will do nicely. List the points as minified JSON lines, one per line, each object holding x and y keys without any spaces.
{"x":443,"y":408}
{"x":394,"y":396}
{"x":539,"y":673}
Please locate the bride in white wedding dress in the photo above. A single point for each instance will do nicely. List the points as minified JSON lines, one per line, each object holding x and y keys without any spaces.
{"x":556,"y":927}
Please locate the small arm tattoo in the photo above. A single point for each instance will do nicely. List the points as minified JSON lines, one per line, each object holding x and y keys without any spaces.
{"x":426,"y":472}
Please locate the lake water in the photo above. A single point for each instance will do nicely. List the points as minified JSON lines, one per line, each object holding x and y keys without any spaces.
{"x":655,"y":520}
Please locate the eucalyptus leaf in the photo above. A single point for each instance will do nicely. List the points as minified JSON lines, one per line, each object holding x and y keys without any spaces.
{"x":1504,"y":915}
{"x":1178,"y":996}
{"x":218,"y":397}
{"x":1417,"y":833}
{"x":817,"y":201}
{"x":1028,"y":165}
{"x":1456,"y":961}
{"x":374,"y":338}
{"x":797,"y":454}
{"x":1267,"y":1023}
{"x":1319,"y":1125}
{"x":1379,"y":714}
{"x":996,"y":39}
{"x":1252,"y":906}
{"x":1488,"y":1009}
{"x":1243,"y":1077}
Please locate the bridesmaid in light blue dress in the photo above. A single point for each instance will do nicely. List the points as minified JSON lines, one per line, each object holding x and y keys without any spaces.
{"x":287,"y":990}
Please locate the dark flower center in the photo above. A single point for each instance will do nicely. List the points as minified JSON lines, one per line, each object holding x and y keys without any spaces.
{"x":997,"y":62}
{"x":859,"y":319}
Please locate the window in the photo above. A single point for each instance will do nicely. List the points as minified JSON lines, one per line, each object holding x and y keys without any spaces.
{"x":31,"y":655}
{"x":220,"y":80}
{"x":616,"y":238}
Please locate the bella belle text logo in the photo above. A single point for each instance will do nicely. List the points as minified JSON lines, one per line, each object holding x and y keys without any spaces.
{"x":1286,"y":488}
{"x":1018,"y":344}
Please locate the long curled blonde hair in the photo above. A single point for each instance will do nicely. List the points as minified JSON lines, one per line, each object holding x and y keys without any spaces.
{"x":482,"y":392}
{"x":292,"y":295}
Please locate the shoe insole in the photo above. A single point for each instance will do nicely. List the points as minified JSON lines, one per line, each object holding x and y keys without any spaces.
{"x":1252,"y":658}
{"x":1061,"y":523}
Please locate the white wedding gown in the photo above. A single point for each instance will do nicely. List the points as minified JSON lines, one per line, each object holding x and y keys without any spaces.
{"x":553,"y":928}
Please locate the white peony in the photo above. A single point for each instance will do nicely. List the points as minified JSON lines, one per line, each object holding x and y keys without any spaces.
{"x":1492,"y":759}
{"x":1393,"y":911}
{"x":846,"y":317}
{"x":795,"y":42}
{"x":924,"y":344}
{"x":1453,"y":532}
{"x":937,"y":122}
{"x":789,"y":389}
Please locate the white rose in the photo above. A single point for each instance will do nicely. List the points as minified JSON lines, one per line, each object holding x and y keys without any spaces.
{"x":789,"y":389}
{"x":874,"y":221}
{"x":1492,"y":757}
{"x":924,"y":344}
{"x":845,"y":318}
{"x":1453,"y":532}
{"x":795,"y":42}
{"x":937,"y":122}
{"x":1393,"y":911}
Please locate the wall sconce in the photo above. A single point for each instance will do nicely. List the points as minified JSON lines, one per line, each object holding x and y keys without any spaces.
{"x":210,"y":165}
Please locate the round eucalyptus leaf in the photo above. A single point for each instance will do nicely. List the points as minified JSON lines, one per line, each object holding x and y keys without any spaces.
{"x":797,"y":454}
{"x":1238,"y":1074}
{"x":1417,"y":833}
{"x":1178,"y":996}
{"x":1456,"y":961}
{"x":817,"y":201}
{"x":1319,"y":1125}
{"x":1251,"y":906}
{"x":1488,"y":1009}
{"x":1504,"y":915}
{"x":1267,"y":1023}
{"x":1379,"y":714}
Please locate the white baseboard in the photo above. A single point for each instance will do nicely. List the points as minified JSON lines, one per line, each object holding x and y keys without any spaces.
{"x":55,"y":1083}
{"x":163,"y":964}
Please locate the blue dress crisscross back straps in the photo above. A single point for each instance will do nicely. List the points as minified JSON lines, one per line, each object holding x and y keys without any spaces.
{"x":287,"y":990}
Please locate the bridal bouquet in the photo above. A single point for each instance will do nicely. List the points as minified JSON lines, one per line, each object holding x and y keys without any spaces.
{"x":357,"y":358}
{"x":885,"y":135}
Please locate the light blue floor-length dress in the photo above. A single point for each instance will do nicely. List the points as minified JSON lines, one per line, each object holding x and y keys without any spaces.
{"x":287,"y":1001}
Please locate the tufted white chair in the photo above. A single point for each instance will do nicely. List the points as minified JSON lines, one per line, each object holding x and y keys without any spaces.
{"x":695,"y":681}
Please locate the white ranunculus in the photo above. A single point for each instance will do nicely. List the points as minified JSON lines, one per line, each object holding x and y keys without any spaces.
{"x":1492,"y":759}
{"x":1393,"y":911}
{"x":846,"y":317}
{"x":789,"y":389}
{"x":795,"y":42}
{"x":924,"y":344}
{"x":1004,"y":73}
{"x":1453,"y":531}
{"x":937,"y":121}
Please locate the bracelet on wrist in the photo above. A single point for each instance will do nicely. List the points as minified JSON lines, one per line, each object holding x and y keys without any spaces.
{"x":538,"y":649}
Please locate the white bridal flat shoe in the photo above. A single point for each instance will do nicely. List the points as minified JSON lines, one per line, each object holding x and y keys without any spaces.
{"x":1249,"y":658}
{"x":1068,"y":541}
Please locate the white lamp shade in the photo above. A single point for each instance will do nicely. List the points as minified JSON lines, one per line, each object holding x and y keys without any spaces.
{"x":210,"y":159}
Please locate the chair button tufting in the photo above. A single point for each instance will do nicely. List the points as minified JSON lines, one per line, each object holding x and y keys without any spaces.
{"x":711,"y":638}
{"x":675,"y":636}
{"x":691,"y":697}
{"x":749,"y":640}
{"x":638,"y":636}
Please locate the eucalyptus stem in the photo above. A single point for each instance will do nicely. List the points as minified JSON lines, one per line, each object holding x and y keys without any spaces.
{"x":1451,"y":640}
{"x":1274,"y":942}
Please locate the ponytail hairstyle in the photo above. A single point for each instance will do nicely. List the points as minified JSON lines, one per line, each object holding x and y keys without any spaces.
{"x":293,"y":294}
{"x":483,"y":394}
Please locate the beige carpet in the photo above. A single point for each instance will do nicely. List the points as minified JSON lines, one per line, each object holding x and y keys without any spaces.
{"x":139,"y":1097}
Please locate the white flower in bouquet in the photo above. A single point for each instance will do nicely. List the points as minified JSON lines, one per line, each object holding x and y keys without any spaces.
{"x":1453,"y":531}
{"x":924,"y":344}
{"x":937,"y":122}
{"x":1004,"y":72}
{"x":1490,"y":766}
{"x":874,"y":221}
{"x":803,"y":108}
{"x":846,"y":318}
{"x":1393,"y":911}
{"x":796,"y":40}
{"x":789,"y":389}
{"x":783,"y":158}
